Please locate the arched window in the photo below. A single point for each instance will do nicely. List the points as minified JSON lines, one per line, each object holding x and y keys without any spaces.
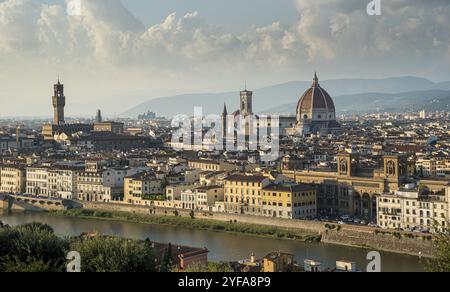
{"x":390,"y":168}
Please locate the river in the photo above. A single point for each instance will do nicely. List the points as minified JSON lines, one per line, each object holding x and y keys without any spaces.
{"x":222,"y":246}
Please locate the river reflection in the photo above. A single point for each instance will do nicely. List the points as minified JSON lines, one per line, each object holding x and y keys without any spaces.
{"x":222,"y":246}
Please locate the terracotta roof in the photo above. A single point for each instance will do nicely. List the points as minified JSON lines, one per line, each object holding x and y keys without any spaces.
{"x":246,"y":178}
{"x":315,"y":97}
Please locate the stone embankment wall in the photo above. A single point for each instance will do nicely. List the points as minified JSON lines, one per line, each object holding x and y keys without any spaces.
{"x":420,"y":245}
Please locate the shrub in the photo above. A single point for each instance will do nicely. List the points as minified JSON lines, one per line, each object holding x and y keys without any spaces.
{"x":32,"y":247}
{"x":108,"y":254}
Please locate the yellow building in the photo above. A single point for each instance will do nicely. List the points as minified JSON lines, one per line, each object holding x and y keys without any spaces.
{"x":141,"y":188}
{"x":292,"y":201}
{"x":278,"y":263}
{"x":243,"y":194}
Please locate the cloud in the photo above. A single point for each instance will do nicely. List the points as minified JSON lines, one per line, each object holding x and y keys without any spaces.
{"x":107,"y":43}
{"x":341,"y":28}
{"x":108,"y":34}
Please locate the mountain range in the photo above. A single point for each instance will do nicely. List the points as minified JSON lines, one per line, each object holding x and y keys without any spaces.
{"x":349,"y":95}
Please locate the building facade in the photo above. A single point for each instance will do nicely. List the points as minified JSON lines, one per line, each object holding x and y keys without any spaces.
{"x":139,"y":188}
{"x":351,"y":190}
{"x":414,"y":210}
{"x":12,"y":179}
{"x":289,"y":201}
{"x":207,"y":196}
{"x":37,"y":183}
{"x":113,"y":127}
{"x":62,"y":183}
{"x":244,"y":194}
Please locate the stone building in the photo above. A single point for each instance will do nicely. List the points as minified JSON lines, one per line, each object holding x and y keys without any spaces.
{"x":352,"y":190}
{"x":113,"y":127}
{"x":59,"y":102}
{"x":59,"y":126}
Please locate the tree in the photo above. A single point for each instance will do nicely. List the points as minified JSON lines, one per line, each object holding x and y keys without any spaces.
{"x":32,"y":247}
{"x":441,"y":258}
{"x":192,"y":214}
{"x":167,"y":262}
{"x":110,"y":254}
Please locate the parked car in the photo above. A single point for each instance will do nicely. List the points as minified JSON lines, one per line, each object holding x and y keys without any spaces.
{"x":341,"y":223}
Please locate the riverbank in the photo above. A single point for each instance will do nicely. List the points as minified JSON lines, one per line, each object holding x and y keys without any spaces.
{"x":367,"y":239}
{"x":222,"y":246}
{"x":419,"y":245}
{"x":195,"y":223}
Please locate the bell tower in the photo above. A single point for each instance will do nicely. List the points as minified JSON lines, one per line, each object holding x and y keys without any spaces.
{"x":246,"y":102}
{"x":395,"y":167}
{"x":347,"y":164}
{"x":224,"y":126}
{"x":59,"y":102}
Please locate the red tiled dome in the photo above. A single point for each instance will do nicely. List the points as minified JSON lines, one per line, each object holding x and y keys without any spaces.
{"x":315,"y":98}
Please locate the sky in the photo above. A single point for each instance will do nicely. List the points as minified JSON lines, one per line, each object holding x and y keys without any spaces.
{"x":114,"y":54}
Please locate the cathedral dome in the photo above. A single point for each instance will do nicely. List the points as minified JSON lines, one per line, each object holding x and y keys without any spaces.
{"x":316,"y":104}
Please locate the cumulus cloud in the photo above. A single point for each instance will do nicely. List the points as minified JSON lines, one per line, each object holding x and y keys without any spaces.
{"x":106,"y":32}
{"x":336,"y":37}
{"x":339,"y":28}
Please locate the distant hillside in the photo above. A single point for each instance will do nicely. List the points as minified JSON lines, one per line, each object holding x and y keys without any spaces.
{"x":287,"y":94}
{"x":431,"y":100}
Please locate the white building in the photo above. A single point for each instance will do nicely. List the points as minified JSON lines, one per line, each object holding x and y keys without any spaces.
{"x":206,"y":197}
{"x":37,"y":183}
{"x":411,"y":210}
{"x":62,"y":183}
{"x":188,"y":199}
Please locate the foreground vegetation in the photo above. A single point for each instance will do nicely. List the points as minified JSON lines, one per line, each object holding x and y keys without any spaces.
{"x":441,"y":258}
{"x":35,"y":248}
{"x":193,"y":223}
{"x":210,"y":268}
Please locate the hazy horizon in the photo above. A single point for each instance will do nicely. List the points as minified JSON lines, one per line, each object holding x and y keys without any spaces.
{"x":117,"y":54}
